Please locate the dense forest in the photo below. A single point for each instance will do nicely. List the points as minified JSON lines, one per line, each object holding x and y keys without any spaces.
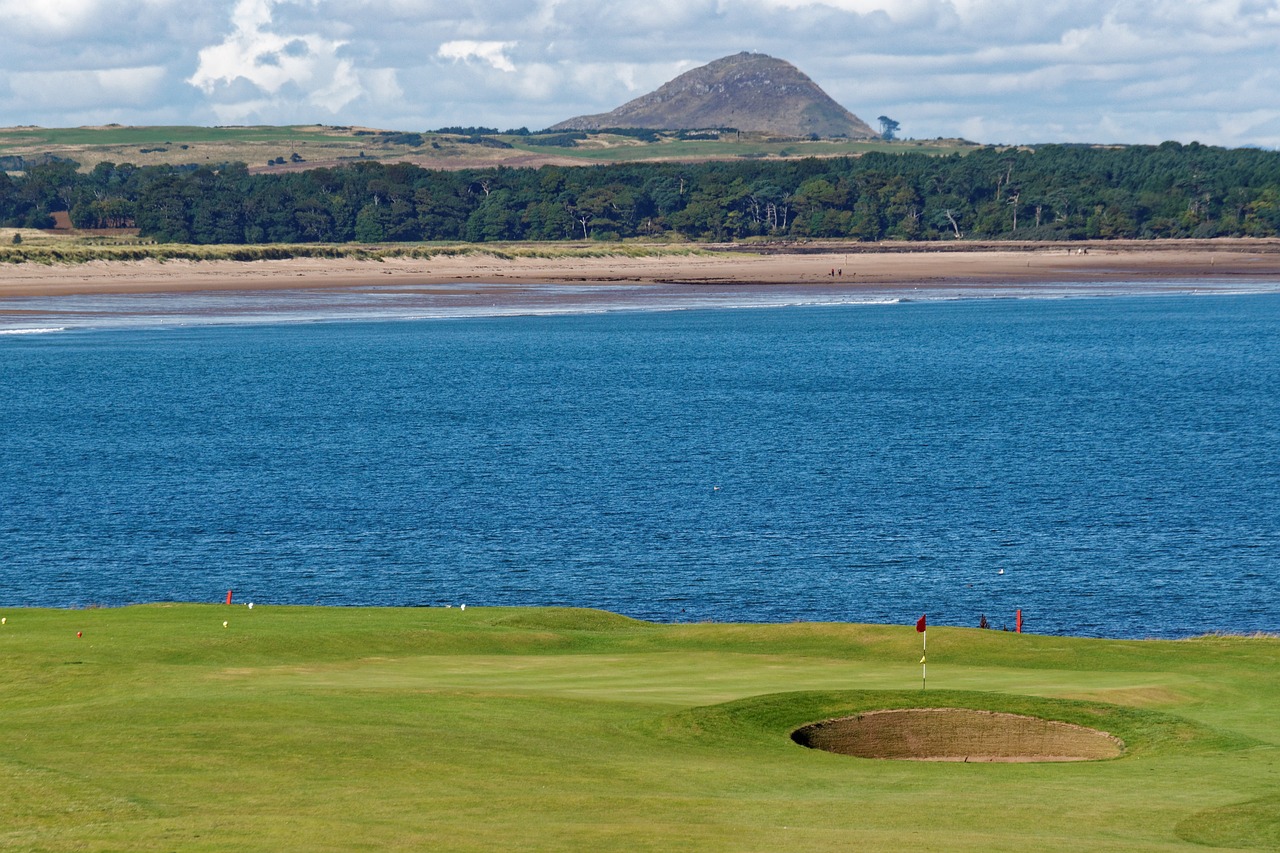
{"x":1054,"y":192}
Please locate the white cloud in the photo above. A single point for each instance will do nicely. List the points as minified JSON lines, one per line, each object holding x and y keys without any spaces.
{"x":77,"y":90}
{"x":382,"y":84}
{"x":898,"y":10}
{"x":61,"y":18}
{"x":303,"y":67}
{"x":993,"y":70}
{"x":493,"y":53}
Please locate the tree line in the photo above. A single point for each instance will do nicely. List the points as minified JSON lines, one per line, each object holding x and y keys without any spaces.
{"x":1051,"y":192}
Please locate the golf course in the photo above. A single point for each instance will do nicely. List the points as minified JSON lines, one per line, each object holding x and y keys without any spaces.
{"x":214,"y":727}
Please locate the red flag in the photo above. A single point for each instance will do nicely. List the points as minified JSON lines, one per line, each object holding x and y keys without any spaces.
{"x":920,"y":624}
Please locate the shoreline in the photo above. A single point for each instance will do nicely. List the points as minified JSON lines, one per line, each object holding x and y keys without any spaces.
{"x":859,"y":269}
{"x":242,"y":603}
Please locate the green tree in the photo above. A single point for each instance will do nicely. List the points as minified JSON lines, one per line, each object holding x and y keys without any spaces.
{"x":370,"y":224}
{"x":494,"y":219}
{"x":164,"y":209}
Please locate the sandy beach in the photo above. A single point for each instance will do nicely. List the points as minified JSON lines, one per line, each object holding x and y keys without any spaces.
{"x":879,"y":268}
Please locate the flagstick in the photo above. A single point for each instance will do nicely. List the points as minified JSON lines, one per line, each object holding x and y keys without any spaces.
{"x":924,"y":653}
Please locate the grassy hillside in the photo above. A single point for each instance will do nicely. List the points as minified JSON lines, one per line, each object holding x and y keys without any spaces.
{"x":150,"y":146}
{"x":616,"y":149}
{"x":303,"y":147}
{"x":405,"y":729}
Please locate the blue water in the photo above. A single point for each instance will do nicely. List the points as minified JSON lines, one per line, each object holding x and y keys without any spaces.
{"x":1117,"y":458}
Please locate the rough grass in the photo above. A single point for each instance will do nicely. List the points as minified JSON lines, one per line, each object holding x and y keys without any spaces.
{"x":496,"y":728}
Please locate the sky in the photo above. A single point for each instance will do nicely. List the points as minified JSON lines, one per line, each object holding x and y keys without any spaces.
{"x":993,"y":71}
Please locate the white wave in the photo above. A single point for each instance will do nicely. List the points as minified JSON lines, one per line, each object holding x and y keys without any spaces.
{"x":37,"y":331}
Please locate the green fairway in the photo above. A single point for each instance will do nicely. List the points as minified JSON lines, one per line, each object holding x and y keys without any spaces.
{"x":299,"y":728}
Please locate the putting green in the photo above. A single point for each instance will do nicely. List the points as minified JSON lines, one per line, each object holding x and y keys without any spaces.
{"x":549,"y":729}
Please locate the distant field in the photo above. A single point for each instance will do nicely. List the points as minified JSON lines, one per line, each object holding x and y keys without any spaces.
{"x":159,"y":135}
{"x":305,"y":147}
{"x":147,"y":146}
{"x":208,"y":727}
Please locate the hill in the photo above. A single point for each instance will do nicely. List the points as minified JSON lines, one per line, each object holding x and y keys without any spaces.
{"x":747,"y":91}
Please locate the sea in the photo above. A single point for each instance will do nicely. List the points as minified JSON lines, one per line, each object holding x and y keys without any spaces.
{"x":1104,"y":460}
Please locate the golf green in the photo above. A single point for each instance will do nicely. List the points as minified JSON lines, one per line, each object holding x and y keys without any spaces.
{"x":157,"y":728}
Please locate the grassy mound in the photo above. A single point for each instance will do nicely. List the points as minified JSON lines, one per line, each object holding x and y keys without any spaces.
{"x":957,"y":734}
{"x":1252,"y":825}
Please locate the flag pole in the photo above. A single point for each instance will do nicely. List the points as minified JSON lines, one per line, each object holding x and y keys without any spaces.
{"x":924,"y":653}
{"x":921,"y":623}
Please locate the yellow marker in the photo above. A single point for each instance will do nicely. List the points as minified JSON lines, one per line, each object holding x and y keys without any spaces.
{"x":921,"y":660}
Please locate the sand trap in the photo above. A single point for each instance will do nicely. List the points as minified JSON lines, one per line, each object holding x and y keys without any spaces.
{"x":956,"y":734}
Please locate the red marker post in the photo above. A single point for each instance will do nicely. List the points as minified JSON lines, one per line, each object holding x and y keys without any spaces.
{"x":228,"y":596}
{"x":1019,"y":620}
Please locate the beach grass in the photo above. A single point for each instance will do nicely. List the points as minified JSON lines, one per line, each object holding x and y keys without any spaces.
{"x":296,"y":728}
{"x":53,"y":248}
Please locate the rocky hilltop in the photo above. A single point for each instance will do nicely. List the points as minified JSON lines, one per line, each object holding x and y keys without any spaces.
{"x":747,"y":91}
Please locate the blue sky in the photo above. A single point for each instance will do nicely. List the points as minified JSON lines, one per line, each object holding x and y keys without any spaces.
{"x":996,"y":71}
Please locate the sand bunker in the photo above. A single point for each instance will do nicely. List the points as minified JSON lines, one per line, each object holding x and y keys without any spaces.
{"x":956,"y":734}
